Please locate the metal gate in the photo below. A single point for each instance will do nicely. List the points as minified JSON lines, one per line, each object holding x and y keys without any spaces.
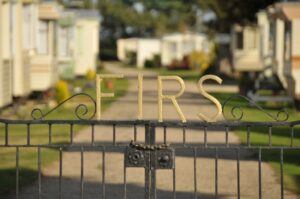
{"x":155,"y":147}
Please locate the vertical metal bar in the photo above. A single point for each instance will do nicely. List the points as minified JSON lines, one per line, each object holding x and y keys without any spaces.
{"x":81,"y":172}
{"x":248,"y":136}
{"x":125,"y":181}
{"x":60,"y":174}
{"x":238,"y":173}
{"x":205,"y":136}
{"x":174,"y":180}
{"x":39,"y":174}
{"x":184,"y":135}
{"x":103,"y":172}
{"x":270,"y":136}
{"x":150,"y":158}
{"x":28,"y":134}
{"x":50,"y":133}
{"x":292,"y":136}
{"x":165,"y":135}
{"x":17,"y":172}
{"x":226,"y":136}
{"x":195,"y":173}
{"x":147,"y":168}
{"x":281,"y":174}
{"x":6,"y":134}
{"x":114,"y":134}
{"x":135,"y":132}
{"x":93,"y":134}
{"x":259,"y":175}
{"x":71,"y":133}
{"x":153,"y":174}
{"x":216,"y":172}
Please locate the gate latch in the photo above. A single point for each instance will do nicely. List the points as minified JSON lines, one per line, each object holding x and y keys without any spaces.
{"x":160,"y":156}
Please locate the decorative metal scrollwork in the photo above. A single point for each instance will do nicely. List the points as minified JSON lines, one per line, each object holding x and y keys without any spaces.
{"x":80,"y":111}
{"x":146,"y":147}
{"x":237,"y":112}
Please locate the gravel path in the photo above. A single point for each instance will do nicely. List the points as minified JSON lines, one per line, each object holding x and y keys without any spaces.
{"x":126,"y":108}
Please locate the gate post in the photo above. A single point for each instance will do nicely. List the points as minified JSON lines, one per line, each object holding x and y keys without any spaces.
{"x":150,"y":174}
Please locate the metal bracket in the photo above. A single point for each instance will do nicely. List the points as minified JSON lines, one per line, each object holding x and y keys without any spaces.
{"x":135,"y":156}
{"x":164,"y":159}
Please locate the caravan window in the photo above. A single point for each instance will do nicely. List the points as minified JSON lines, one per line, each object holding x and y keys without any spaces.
{"x":43,"y":37}
{"x":239,"y":40}
{"x":27,"y":24}
{"x":64,"y":36}
{"x":5,"y":45}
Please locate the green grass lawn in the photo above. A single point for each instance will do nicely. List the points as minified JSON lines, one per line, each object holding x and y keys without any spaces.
{"x":281,"y":136}
{"x":39,"y":135}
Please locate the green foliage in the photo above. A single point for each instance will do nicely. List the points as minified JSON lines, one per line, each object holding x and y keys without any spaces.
{"x":87,"y":4}
{"x":157,"y":60}
{"x":61,"y":91}
{"x":154,"y":62}
{"x":201,"y":61}
{"x":234,"y":11}
{"x":149,"y":63}
{"x":120,"y":19}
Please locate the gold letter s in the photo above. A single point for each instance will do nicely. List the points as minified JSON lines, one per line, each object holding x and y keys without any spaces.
{"x":210,"y":97}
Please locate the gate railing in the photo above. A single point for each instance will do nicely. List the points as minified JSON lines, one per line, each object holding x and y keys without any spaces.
{"x":151,"y":153}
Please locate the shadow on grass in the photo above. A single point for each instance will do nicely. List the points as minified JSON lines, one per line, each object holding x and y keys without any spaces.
{"x":8,"y":179}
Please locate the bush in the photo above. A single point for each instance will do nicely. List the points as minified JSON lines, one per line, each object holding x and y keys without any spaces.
{"x":108,"y":54}
{"x":61,"y":91}
{"x":199,"y":61}
{"x":153,"y":63}
{"x":90,"y":75}
{"x":179,"y":64}
{"x":149,"y":63}
{"x":202,"y":61}
{"x":157,"y":60}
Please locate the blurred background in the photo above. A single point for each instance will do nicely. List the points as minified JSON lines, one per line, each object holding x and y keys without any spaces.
{"x":52,"y":50}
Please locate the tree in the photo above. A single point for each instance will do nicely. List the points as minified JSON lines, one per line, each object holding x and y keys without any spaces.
{"x":234,"y":11}
{"x":122,"y":19}
{"x":87,"y":4}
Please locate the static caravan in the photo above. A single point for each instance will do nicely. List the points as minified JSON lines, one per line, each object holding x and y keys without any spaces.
{"x":276,"y":42}
{"x":30,"y":21}
{"x":24,"y":17}
{"x":142,"y":48}
{"x":289,"y":13}
{"x":65,"y":45}
{"x":44,"y":72}
{"x":86,"y":48}
{"x":5,"y":56}
{"x":176,"y":46}
{"x":245,"y":48}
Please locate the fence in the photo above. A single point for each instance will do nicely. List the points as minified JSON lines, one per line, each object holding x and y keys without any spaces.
{"x":149,"y":159}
